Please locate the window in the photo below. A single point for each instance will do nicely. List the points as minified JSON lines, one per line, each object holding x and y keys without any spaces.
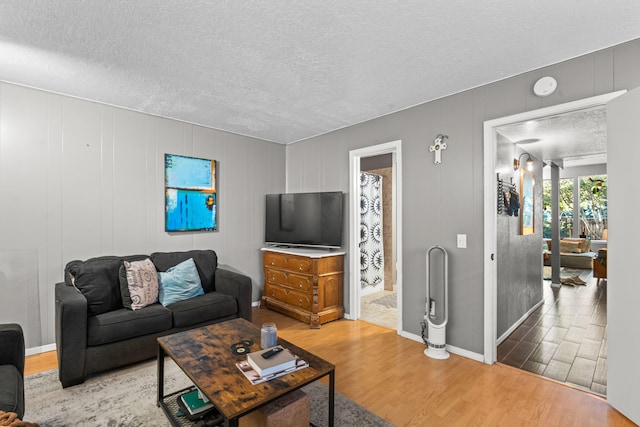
{"x":593,"y":206}
{"x":566,"y":207}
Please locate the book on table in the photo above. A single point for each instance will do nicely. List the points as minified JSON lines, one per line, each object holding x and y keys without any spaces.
{"x":251,"y":374}
{"x":195,"y":402}
{"x":281,"y":361}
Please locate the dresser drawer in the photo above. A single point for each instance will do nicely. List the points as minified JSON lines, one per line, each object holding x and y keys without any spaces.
{"x":291,"y":280}
{"x":288,"y":262}
{"x":288,"y":296}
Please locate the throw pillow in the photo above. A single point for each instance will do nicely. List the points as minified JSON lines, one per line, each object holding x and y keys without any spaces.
{"x":179,"y":283}
{"x":97,"y":279}
{"x":570,"y":246}
{"x":138,"y":284}
{"x":206,"y":263}
{"x":585,"y":245}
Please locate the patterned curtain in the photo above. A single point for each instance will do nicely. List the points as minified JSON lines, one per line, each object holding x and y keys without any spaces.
{"x":371,"y":249}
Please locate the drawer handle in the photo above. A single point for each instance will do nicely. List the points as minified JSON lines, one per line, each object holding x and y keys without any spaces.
{"x":301,"y":283}
{"x":286,"y":292}
{"x":273,"y":277}
{"x":300,"y":267}
{"x":273,"y":294}
{"x":273,"y":262}
{"x":300,"y":302}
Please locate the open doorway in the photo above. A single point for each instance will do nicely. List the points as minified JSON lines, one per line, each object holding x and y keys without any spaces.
{"x":375,"y":238}
{"x":378,"y":295}
{"x":524,"y":323}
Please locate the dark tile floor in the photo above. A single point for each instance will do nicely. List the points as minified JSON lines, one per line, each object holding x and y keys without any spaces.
{"x":565,"y":338}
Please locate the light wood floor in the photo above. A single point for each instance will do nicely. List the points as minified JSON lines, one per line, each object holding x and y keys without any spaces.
{"x":390,"y":376}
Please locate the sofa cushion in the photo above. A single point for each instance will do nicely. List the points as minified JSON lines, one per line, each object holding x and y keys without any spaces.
{"x":118,"y":325}
{"x":586,"y":245}
{"x":179,"y":283}
{"x":97,"y":279}
{"x":206,"y":263}
{"x":138,"y":284}
{"x":212,"y":305}
{"x":11,"y":390}
{"x":577,"y":245}
{"x":570,"y":246}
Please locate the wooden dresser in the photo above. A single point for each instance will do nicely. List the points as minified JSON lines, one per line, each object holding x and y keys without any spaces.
{"x":305,"y":284}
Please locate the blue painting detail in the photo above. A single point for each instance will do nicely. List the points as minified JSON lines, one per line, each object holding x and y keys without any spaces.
{"x":190,"y":210}
{"x":190,"y":194}
{"x":188,"y":172}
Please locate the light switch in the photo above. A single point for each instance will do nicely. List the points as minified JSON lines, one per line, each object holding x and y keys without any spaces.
{"x":462,"y":241}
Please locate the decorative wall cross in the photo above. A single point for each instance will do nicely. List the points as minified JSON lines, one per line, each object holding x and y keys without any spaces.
{"x":437,"y":147}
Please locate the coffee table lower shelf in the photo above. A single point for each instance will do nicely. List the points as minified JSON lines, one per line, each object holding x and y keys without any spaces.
{"x":170,"y":406}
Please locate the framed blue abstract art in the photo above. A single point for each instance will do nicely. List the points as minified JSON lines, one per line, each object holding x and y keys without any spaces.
{"x":190,"y":194}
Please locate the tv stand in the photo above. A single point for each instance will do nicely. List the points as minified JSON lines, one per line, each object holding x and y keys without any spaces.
{"x":304,"y":283}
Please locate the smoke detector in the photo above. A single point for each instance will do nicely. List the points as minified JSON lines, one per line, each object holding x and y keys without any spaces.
{"x":545,"y":86}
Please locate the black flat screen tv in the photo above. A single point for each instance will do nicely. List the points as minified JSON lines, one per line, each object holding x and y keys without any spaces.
{"x":304,"y":219}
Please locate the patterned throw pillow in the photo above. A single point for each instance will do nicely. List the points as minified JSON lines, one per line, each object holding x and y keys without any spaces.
{"x":142,"y":282}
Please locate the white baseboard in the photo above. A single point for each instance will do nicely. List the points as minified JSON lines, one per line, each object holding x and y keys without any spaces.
{"x":411,"y":336}
{"x":451,"y":349}
{"x":255,"y":304}
{"x":518,"y":323}
{"x":42,"y":349}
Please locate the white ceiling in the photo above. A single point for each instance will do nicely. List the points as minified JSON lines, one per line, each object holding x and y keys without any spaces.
{"x":289,"y":70}
{"x":570,"y":139}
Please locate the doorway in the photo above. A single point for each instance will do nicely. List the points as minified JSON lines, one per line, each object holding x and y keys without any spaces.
{"x":490,"y":213}
{"x":378,"y":296}
{"x":375,"y":239}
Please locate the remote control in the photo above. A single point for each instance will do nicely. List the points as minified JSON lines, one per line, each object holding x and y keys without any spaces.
{"x":272,"y":352}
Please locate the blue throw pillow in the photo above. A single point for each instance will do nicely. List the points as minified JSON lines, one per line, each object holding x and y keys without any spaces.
{"x":179,"y":283}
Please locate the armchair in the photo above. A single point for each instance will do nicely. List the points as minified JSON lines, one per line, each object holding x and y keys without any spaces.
{"x":12,"y":369}
{"x":600,"y":265}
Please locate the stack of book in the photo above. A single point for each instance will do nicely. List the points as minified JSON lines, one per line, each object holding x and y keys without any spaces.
{"x":257,"y":369}
{"x":195,"y":404}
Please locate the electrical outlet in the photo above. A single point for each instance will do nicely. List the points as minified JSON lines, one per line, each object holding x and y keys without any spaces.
{"x":462,"y":241}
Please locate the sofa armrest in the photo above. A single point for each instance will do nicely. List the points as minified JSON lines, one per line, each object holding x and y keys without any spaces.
{"x":12,"y":346}
{"x":238,"y":285}
{"x":71,"y":334}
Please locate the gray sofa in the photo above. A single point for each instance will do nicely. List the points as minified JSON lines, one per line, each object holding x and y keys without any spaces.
{"x":95,"y":332}
{"x":12,"y":369}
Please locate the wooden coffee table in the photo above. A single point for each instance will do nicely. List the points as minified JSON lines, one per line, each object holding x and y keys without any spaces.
{"x":205,"y":356}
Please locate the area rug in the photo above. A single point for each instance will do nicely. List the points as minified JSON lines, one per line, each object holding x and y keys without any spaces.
{"x":127,"y":397}
{"x":389,"y":301}
{"x":569,"y":276}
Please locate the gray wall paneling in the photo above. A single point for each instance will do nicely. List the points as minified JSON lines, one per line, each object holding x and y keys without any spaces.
{"x":442,"y":201}
{"x":519,"y":258}
{"x":80,"y":179}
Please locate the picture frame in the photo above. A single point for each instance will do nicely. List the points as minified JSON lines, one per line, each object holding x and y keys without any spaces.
{"x":191,"y":199}
{"x":527,"y":214}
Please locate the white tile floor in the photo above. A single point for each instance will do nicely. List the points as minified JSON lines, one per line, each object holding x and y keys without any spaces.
{"x":378,"y":314}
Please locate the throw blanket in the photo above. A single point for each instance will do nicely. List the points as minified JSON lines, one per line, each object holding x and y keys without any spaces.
{"x":11,"y":419}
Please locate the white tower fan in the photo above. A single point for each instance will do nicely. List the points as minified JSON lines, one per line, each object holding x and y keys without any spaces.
{"x":436,"y":321}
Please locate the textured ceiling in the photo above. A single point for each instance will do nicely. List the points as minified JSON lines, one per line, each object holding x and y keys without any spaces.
{"x":286,"y":71}
{"x":577,"y":137}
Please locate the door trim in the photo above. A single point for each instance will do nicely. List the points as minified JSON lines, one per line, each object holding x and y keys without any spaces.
{"x":395,"y":149}
{"x":490,"y":214}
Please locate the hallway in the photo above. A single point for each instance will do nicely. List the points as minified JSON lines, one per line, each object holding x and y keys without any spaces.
{"x":565,"y":339}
